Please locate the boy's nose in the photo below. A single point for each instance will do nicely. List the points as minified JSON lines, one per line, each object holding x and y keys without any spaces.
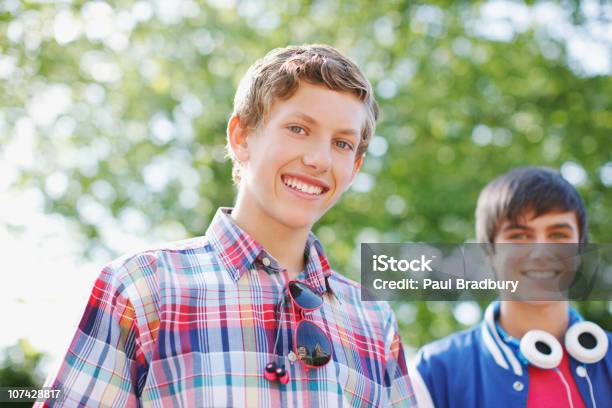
{"x":318,"y":158}
{"x":543,"y":250}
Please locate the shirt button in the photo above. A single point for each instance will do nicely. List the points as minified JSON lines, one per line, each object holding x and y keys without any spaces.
{"x":291,"y":356}
{"x":581,"y":371}
{"x":266,"y":261}
{"x":518,"y":386}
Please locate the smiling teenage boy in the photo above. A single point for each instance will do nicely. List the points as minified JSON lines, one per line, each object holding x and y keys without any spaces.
{"x":529,"y":353}
{"x":251,"y":313}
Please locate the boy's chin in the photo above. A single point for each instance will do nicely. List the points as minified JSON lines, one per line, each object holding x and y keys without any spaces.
{"x":542,"y":303}
{"x":534,"y":299}
{"x":297,"y":218}
{"x":294,"y":220}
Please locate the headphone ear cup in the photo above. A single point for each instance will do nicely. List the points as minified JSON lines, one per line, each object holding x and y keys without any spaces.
{"x":282,"y":375}
{"x":541,"y":349}
{"x":586,"y":342}
{"x":270,"y":372}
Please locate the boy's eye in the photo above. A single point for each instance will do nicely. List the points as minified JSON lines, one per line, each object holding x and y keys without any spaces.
{"x":344,"y":145}
{"x":518,"y":235}
{"x":298,"y":130}
{"x":559,"y":235}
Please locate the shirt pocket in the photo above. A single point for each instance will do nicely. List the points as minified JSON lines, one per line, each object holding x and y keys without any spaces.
{"x":359,"y":390}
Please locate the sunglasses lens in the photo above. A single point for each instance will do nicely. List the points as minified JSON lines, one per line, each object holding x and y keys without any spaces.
{"x":304,"y":296}
{"x":313,"y":346}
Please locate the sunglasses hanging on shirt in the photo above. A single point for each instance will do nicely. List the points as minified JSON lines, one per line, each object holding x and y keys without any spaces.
{"x":311,"y":344}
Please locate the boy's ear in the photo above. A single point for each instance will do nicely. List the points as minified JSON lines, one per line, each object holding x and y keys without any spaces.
{"x":357,"y":165}
{"x":237,"y":137}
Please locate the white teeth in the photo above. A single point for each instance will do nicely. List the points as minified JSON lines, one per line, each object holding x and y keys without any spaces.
{"x":299,"y":185}
{"x":540,"y":274}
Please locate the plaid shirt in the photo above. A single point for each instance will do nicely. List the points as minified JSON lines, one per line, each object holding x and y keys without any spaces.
{"x":194,"y":324}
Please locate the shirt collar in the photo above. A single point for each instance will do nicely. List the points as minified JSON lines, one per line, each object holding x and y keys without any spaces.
{"x":238,"y":252}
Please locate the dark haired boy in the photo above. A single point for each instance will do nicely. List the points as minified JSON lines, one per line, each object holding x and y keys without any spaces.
{"x":529,"y":353}
{"x":215,"y":321}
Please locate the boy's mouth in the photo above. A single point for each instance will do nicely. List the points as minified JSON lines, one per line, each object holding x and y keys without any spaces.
{"x":311,"y":187}
{"x":540,"y":275}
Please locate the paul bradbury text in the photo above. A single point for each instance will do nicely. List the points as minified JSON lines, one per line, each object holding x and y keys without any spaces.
{"x":447,"y":284}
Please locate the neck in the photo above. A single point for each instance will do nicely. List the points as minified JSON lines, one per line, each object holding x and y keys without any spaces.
{"x":284,"y":243}
{"x":517,"y":318}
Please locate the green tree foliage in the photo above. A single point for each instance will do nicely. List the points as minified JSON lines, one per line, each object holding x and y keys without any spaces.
{"x":125,"y":106}
{"x":20,"y":367}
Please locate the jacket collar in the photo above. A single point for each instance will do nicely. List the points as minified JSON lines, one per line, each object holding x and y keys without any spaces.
{"x":504,"y":355}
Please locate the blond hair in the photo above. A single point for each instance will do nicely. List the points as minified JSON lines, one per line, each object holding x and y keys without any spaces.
{"x":278,"y":74}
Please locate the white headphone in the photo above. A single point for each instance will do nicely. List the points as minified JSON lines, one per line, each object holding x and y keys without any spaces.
{"x":585,"y":341}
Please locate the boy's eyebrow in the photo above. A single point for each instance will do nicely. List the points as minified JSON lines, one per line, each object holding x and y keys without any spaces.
{"x":523,"y":227}
{"x":305,"y":117}
{"x":515,"y":226}
{"x":561,"y":225}
{"x":313,"y":121}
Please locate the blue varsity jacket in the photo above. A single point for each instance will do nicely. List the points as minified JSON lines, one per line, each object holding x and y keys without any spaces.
{"x":476,"y":368}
